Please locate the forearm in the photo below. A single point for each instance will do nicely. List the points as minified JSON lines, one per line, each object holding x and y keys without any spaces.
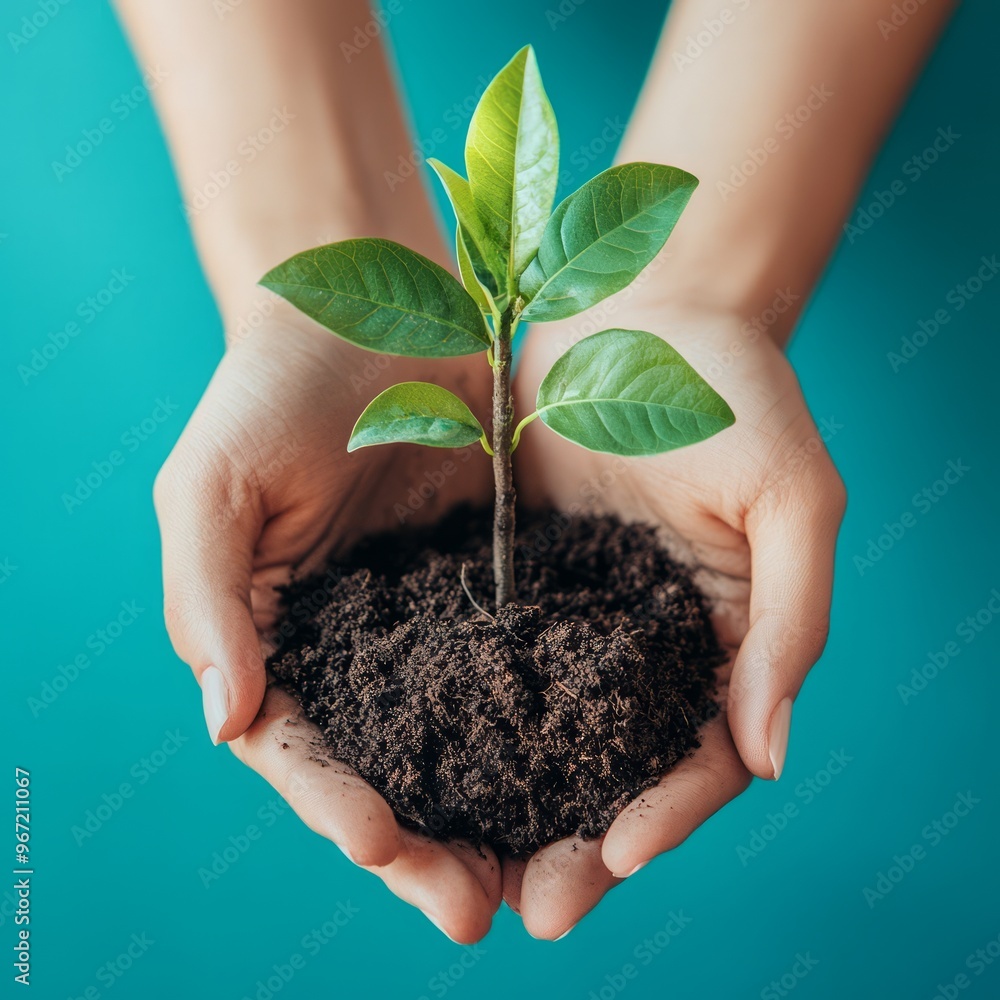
{"x":779,"y":112}
{"x":280,"y":143}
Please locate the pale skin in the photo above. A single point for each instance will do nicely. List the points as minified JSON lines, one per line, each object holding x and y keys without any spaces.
{"x":260,"y":481}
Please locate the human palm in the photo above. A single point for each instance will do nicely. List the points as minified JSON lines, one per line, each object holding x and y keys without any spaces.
{"x":259,"y":486}
{"x":755,"y":510}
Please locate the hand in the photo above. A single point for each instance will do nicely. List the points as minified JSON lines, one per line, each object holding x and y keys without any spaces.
{"x":258,"y":484}
{"x":756,"y":509}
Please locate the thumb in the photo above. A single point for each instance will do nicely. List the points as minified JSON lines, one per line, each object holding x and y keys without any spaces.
{"x":210,"y":521}
{"x":792,"y":543}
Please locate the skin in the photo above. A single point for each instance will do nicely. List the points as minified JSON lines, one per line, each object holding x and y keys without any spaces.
{"x":260,"y":483}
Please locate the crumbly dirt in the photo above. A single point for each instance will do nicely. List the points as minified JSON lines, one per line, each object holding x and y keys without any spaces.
{"x":537,"y":724}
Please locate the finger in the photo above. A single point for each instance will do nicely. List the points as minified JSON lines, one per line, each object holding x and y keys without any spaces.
{"x":332,"y":799}
{"x":513,"y":876}
{"x":209,"y":524}
{"x":562,"y":883}
{"x":484,"y":864}
{"x":441,"y":881}
{"x":792,"y":538}
{"x":663,"y":816}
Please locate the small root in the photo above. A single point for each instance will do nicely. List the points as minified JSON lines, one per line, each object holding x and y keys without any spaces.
{"x":468,"y":593}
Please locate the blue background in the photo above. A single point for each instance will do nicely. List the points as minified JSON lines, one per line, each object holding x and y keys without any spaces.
{"x":161,"y":337}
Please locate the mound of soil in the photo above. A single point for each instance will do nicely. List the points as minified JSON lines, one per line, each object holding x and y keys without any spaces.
{"x":542,"y":722}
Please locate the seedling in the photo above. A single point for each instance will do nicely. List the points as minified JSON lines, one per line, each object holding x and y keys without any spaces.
{"x":625,"y":392}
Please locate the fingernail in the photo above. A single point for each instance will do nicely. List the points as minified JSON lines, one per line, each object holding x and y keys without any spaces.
{"x":642,"y":864}
{"x":437,"y":924}
{"x":347,"y":854}
{"x":777,"y":737}
{"x":215,"y":701}
{"x":564,"y":933}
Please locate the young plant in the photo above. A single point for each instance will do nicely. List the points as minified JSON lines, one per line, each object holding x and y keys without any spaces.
{"x":625,"y":392}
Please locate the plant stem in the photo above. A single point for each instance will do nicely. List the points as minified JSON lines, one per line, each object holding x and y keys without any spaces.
{"x":503,"y":477}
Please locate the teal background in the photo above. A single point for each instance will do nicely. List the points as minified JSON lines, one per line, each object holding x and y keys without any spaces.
{"x":161,"y":337}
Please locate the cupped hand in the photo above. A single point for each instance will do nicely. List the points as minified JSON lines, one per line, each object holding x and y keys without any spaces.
{"x":755,"y":510}
{"x":259,"y":485}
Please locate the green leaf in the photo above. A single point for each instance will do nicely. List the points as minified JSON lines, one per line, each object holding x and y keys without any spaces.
{"x":602,"y":236}
{"x":468,"y":272}
{"x":512,"y":159}
{"x":487,"y":266}
{"x":629,"y":393}
{"x":382,"y":297}
{"x":417,"y":413}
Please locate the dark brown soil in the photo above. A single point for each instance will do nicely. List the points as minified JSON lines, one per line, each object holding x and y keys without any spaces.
{"x":518,"y":731}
